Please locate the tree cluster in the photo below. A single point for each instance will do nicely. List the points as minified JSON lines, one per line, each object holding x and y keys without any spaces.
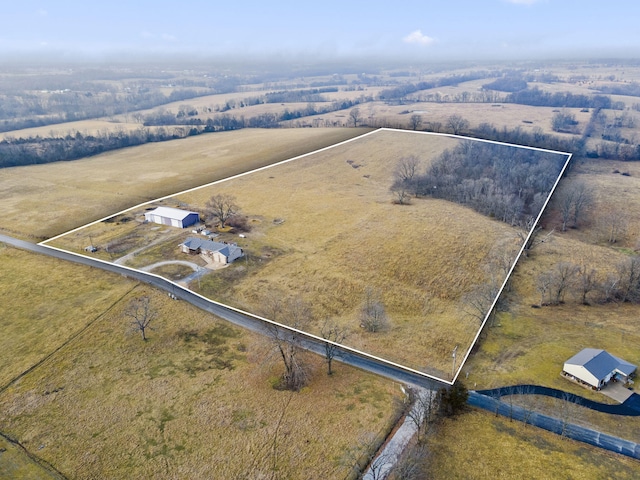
{"x":502,"y":182}
{"x":539,"y":98}
{"x":587,"y":285}
{"x":35,"y":150}
{"x":507,"y":84}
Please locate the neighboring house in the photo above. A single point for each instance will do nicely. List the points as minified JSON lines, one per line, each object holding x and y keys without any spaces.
{"x":212,"y":251}
{"x":172,"y":216}
{"x":596,"y":368}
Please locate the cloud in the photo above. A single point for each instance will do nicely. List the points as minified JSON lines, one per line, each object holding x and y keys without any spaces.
{"x":42,"y":12}
{"x":418,"y":38}
{"x":169,"y":38}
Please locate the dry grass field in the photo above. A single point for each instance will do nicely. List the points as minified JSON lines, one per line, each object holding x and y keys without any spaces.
{"x":44,"y":303}
{"x":342,"y":233}
{"x":15,"y":462}
{"x":478,"y":445}
{"x":196,"y":400}
{"x":41,"y":201}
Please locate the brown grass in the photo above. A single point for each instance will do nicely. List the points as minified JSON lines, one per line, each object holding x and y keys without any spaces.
{"x":341,"y":233}
{"x":44,"y":303}
{"x":478,"y":445}
{"x":194,"y":401}
{"x":16,"y":463}
{"x":45,"y":200}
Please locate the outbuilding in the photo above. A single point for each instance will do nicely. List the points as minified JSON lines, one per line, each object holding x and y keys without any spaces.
{"x":172,"y":216}
{"x":211,"y":251}
{"x":595,"y":368}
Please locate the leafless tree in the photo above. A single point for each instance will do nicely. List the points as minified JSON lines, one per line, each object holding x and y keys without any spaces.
{"x":573,"y":201}
{"x":354,"y":115}
{"x":478,"y":300}
{"x":423,"y":412}
{"x":401,"y":195}
{"x":614,"y":224}
{"x":543,"y":285}
{"x":456,"y":123}
{"x":221,"y":207}
{"x":562,"y":279}
{"x":412,"y":464}
{"x":415,"y":121}
{"x":628,"y":273}
{"x":295,"y":313}
{"x":406,"y":169}
{"x":336,"y":334}
{"x":141,"y":314}
{"x":586,"y":282}
{"x":373,"y":316}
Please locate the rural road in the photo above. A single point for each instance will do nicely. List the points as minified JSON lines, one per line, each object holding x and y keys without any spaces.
{"x":312,"y":343}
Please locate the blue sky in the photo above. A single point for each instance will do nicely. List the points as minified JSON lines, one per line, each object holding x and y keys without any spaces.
{"x":421,"y":30}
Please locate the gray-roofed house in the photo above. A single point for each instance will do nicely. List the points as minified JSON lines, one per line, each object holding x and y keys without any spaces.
{"x":596,"y":367}
{"x":172,"y":216}
{"x":211,"y":251}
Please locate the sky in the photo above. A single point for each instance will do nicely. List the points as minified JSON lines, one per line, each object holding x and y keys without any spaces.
{"x":419,"y":30}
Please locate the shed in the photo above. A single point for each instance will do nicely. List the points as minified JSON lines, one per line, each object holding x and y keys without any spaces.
{"x":172,"y":216}
{"x":596,"y":367}
{"x":218,"y":252}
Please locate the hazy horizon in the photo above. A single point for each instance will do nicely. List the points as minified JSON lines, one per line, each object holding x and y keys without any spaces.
{"x":425,"y":31}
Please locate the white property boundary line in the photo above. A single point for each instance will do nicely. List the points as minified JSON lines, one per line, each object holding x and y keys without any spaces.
{"x":307,"y":334}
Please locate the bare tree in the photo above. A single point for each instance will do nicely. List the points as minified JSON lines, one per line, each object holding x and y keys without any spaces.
{"x":562,"y":279}
{"x":456,"y":123}
{"x":336,"y":334}
{"x":222,"y":207}
{"x":629,"y":280}
{"x":412,"y":464}
{"x":423,"y":412}
{"x":614,"y":224}
{"x":415,"y":121}
{"x":354,"y":115}
{"x":287,"y":343}
{"x":373,"y":317}
{"x":586,"y":282}
{"x":406,"y":169}
{"x":477,"y":301}
{"x":543,"y":285}
{"x":141,"y":314}
{"x":573,"y":201}
{"x":401,"y":195}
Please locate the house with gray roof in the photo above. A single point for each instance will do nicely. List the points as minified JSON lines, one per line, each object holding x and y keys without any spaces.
{"x":596,"y":368}
{"x":212,"y":252}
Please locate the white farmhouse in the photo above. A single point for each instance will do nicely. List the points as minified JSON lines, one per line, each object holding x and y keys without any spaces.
{"x":596,"y":368}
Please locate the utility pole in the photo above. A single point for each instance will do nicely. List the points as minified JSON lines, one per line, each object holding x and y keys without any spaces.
{"x":453,"y":368}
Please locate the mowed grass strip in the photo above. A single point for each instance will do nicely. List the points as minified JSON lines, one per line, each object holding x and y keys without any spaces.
{"x":41,"y":201}
{"x":479,"y":445}
{"x":194,"y":401}
{"x":333,"y":218}
{"x":44,"y":302}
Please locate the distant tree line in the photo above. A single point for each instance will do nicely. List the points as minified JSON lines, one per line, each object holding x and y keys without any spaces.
{"x":630,"y":89}
{"x":539,"y":98}
{"x":36,"y":150}
{"x":400,"y":92}
{"x":502,"y":182}
{"x":28,"y":111}
{"x":506,"y":84}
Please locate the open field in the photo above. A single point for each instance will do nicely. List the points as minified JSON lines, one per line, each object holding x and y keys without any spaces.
{"x":15,"y":462}
{"x":41,"y":201}
{"x":479,"y":445}
{"x":45,"y":303}
{"x":108,"y":405}
{"x":342,"y":234}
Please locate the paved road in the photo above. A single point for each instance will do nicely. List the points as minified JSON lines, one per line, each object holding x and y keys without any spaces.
{"x":556,"y":425}
{"x":246,"y":320}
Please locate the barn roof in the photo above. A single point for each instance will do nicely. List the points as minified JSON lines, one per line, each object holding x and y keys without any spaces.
{"x":174,"y":213}
{"x":600,"y":363}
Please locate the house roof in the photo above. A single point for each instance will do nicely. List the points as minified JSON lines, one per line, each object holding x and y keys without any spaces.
{"x":600,"y":363}
{"x":174,"y":213}
{"x":226,"y":249}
